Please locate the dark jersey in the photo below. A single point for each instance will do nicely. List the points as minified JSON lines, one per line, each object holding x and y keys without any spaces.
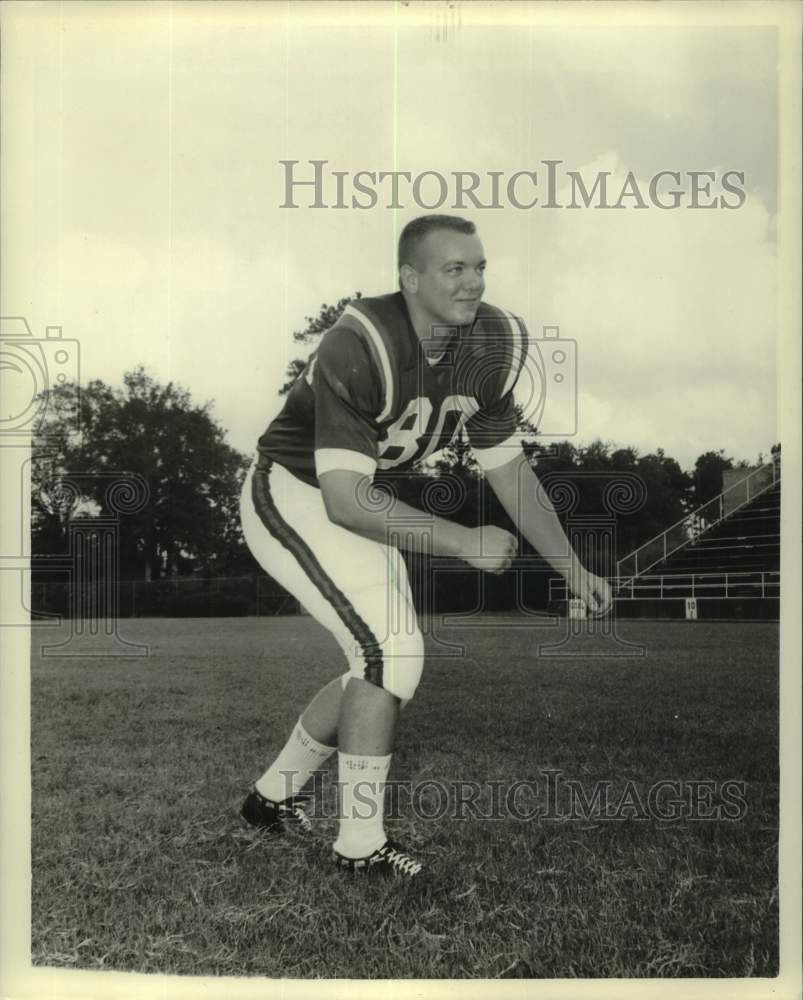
{"x":370,"y":396}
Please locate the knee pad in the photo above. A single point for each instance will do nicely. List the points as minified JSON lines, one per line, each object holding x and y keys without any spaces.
{"x":400,"y":669}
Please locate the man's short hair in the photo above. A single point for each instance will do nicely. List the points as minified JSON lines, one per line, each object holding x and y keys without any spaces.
{"x":415,"y":231}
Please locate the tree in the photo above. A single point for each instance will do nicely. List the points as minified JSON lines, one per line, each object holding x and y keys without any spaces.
{"x":326,"y":318}
{"x":191,"y":518}
{"x":668,"y":490}
{"x":707,"y":475}
{"x":457,"y":458}
{"x":594,"y":467}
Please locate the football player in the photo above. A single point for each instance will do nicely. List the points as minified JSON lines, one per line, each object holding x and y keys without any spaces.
{"x":394,"y":380}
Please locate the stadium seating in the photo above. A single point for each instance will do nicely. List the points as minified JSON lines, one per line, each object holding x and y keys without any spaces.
{"x":748,"y":540}
{"x":730,"y":568}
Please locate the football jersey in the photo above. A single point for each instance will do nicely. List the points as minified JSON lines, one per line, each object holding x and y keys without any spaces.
{"x":373,"y":396}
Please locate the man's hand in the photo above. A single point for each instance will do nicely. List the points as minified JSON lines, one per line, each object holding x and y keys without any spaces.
{"x":491,"y":549}
{"x":592,"y":589}
{"x":346,"y":496}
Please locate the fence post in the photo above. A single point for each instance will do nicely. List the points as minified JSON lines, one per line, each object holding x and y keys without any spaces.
{"x":763,"y":594}
{"x":726,"y":584}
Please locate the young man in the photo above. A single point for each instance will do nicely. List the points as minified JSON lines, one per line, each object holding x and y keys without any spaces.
{"x":391,"y":382}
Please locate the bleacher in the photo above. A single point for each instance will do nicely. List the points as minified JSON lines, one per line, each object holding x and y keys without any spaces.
{"x":724,"y":559}
{"x":748,"y":540}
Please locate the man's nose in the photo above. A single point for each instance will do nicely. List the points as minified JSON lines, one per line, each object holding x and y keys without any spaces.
{"x":474,"y":281}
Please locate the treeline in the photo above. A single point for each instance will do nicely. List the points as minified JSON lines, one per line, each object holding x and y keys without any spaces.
{"x":182,"y":499}
{"x":187,"y":523}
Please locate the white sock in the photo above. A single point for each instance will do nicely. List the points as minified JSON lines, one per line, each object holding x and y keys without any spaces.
{"x":362,"y":804}
{"x":293,"y":768}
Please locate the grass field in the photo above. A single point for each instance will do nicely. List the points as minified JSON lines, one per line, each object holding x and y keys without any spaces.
{"x":140,"y":861}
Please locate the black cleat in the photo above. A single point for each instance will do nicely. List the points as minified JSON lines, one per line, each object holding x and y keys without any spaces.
{"x":276,"y":817}
{"x":389,"y":860}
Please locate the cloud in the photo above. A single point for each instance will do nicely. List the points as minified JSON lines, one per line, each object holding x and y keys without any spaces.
{"x":161,"y":167}
{"x":674,"y":317}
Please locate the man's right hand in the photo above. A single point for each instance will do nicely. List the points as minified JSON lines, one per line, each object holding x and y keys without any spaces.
{"x":491,"y":549}
{"x":344,"y":494}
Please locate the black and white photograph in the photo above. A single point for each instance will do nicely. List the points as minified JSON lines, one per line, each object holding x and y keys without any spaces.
{"x":400,"y":452}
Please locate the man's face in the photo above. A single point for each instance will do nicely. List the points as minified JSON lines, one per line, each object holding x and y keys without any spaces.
{"x":451,"y":276}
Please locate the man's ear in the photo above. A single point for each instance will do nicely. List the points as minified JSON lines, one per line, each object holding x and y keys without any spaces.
{"x":408,"y":276}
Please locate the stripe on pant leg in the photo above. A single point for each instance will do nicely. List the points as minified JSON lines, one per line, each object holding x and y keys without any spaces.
{"x":288,"y":537}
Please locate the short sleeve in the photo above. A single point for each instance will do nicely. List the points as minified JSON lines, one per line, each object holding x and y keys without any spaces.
{"x":493,"y":431}
{"x":347,"y":400}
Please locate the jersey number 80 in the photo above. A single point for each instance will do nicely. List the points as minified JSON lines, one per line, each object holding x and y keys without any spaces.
{"x":418,"y":432}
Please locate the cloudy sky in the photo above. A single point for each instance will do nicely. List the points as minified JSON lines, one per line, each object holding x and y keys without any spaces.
{"x":147,"y":221}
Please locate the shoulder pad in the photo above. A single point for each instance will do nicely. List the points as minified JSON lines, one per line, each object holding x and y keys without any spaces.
{"x":383,"y":328}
